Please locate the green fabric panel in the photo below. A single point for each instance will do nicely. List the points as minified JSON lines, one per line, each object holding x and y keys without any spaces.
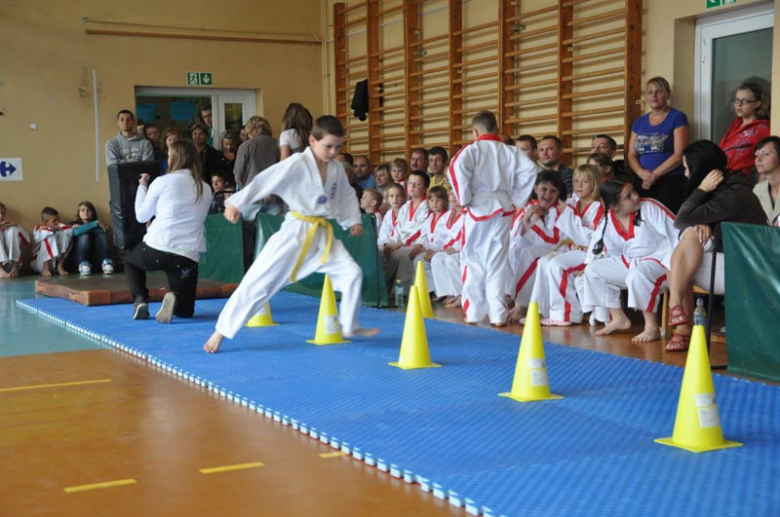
{"x":363,"y":249}
{"x":752,"y":299}
{"x":224,"y":259}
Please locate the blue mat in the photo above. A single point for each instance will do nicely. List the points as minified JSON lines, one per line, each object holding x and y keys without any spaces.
{"x":591,"y":453}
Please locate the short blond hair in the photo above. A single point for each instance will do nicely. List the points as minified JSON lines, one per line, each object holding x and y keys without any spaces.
{"x":257,"y":125}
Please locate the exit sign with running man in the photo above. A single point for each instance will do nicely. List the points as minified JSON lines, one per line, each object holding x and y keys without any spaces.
{"x":711,"y":4}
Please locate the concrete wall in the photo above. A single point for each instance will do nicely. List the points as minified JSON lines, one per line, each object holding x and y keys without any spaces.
{"x":46,"y":67}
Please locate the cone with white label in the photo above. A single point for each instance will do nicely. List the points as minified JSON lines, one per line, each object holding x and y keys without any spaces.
{"x":531,"y":381}
{"x":414,"y":344}
{"x":328,"y":326}
{"x":422,"y":291}
{"x":697,"y":426}
{"x":262,"y":318}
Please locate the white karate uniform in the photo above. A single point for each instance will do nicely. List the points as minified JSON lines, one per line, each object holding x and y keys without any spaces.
{"x":297,"y":180}
{"x":633,"y":259}
{"x":555,"y":288}
{"x":386,"y":229}
{"x":50,"y":245}
{"x":490,"y":179}
{"x":11,"y":238}
{"x":445,"y":265}
{"x":433,"y":238}
{"x":408,"y":231}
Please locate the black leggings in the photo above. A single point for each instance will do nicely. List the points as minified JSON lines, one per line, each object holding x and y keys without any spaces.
{"x":182,"y":276}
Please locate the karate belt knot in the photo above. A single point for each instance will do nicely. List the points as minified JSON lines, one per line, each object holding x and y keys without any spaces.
{"x":316,"y":222}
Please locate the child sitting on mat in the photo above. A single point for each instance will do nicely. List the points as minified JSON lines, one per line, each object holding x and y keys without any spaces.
{"x":315,"y":187}
{"x":91,"y":241}
{"x":53,"y":239}
{"x":11,"y":237}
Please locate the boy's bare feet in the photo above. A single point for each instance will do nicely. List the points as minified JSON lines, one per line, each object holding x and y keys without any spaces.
{"x":61,"y":268}
{"x":517,"y":313}
{"x":616,"y":325}
{"x":647,"y":336}
{"x":212,"y":345}
{"x":453,"y":302}
{"x":361,"y":332}
{"x":46,"y":270}
{"x":14,"y":270}
{"x":4,"y":273}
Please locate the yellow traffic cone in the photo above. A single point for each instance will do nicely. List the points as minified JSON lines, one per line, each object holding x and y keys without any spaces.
{"x":697,"y":427}
{"x":422,"y":291}
{"x":328,"y":326}
{"x":414,"y":344}
{"x":531,"y":381}
{"x":262,"y":318}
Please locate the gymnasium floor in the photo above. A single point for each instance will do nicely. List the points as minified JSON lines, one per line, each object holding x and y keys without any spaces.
{"x":75,"y":414}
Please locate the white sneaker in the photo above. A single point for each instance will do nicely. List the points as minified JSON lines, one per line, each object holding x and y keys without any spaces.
{"x":165,"y":314}
{"x":85,"y":268}
{"x":108,"y":266}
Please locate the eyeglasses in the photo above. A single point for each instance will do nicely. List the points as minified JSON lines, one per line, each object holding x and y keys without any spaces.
{"x":742,"y":102}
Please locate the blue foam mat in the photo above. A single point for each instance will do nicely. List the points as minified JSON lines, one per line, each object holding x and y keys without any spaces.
{"x":591,"y":453}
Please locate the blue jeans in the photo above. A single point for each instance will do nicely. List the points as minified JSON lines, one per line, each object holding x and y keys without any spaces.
{"x":92,"y":247}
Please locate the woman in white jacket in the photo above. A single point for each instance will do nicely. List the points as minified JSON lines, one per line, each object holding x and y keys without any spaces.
{"x":179,"y":201}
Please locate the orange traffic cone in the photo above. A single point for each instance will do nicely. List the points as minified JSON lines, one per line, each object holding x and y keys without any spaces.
{"x":531,"y":381}
{"x":414,"y":344}
{"x":262,"y":318}
{"x":697,"y":426}
{"x":328,"y":326}
{"x":422,"y":291}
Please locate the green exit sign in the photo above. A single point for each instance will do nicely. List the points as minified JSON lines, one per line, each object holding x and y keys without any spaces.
{"x":711,"y":4}
{"x":199,"y":79}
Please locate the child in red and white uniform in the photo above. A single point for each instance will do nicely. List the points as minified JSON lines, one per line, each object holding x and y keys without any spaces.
{"x":534,"y":234}
{"x":399,"y":171}
{"x":412,"y":217}
{"x":53,"y":240}
{"x":445,"y":264}
{"x":626,"y":251}
{"x":11,"y":238}
{"x":490,"y":180}
{"x":560,"y":272}
{"x":396,"y":197}
{"x":434,"y":232}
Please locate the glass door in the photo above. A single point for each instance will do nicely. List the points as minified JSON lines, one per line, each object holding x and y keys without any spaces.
{"x":731,"y":49}
{"x":233,"y":110}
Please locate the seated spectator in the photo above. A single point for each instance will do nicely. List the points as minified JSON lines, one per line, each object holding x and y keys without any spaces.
{"x":227,"y":160}
{"x":750,"y":126}
{"x":53,"y":239}
{"x":768,"y":167}
{"x":445,"y":265}
{"x":209,"y":157}
{"x":434,"y":233}
{"x":550,"y":152}
{"x":349,"y":170}
{"x":169,"y":135}
{"x":345,"y":158}
{"x":607,"y":169}
{"x":607,"y":145}
{"x":418,"y":160}
{"x":383,"y":183}
{"x":399,"y":170}
{"x":296,"y":124}
{"x":528,"y":145}
{"x":364,"y":172}
{"x":370,"y":202}
{"x":437,"y":165}
{"x":127,"y":145}
{"x":11,"y":238}
{"x":396,"y":197}
{"x":91,"y":241}
{"x":715,"y":195}
{"x":223,"y":188}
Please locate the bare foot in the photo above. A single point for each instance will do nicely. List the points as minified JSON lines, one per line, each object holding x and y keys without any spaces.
{"x":46,"y":270}
{"x":555,"y":323}
{"x":498,"y":325}
{"x":61,"y":268}
{"x":361,"y":332}
{"x":212,"y":345}
{"x":453,"y":302}
{"x":616,"y":325}
{"x":517,"y":313}
{"x":4,"y":273}
{"x":648,"y":335}
{"x":14,"y":270}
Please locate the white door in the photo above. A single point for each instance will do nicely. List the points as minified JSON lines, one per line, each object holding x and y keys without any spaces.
{"x":233,"y":110}
{"x":731,"y":48}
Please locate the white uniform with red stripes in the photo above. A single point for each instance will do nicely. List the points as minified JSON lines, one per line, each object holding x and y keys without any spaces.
{"x":11,"y":238}
{"x":555,"y":286}
{"x":490,"y":179}
{"x":298,"y":181}
{"x":445,"y":265}
{"x":527,"y":249}
{"x":386,"y":229}
{"x":633,"y":259}
{"x":408,"y":230}
{"x":433,"y":238}
{"x":50,"y":245}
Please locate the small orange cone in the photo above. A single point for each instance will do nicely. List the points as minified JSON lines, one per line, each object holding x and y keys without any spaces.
{"x":328,"y":326}
{"x":422,"y":291}
{"x":697,"y":426}
{"x":414,"y":344}
{"x":262,"y":318}
{"x":531,"y":382}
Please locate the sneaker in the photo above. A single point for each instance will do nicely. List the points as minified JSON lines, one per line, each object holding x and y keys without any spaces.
{"x":140,"y":310}
{"x":108,"y":266}
{"x":165,"y":314}
{"x":85,"y":268}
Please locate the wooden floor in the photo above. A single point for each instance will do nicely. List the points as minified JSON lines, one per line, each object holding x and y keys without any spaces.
{"x":69,"y":421}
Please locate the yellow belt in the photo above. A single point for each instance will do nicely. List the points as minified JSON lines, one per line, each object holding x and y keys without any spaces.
{"x":315,"y":222}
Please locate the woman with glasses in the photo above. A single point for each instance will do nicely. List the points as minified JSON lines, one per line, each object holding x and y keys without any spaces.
{"x":750,"y":126}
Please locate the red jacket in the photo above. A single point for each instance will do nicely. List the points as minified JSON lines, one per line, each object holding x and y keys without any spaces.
{"x":739,"y":144}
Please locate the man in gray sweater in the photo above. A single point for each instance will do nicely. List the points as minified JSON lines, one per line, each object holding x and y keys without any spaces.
{"x":127,"y":146}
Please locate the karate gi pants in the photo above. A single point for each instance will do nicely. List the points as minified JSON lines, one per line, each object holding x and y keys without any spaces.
{"x":645,"y":279}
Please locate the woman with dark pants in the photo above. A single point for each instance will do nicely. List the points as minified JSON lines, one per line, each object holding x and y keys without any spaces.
{"x":715,"y":195}
{"x":179,"y":202}
{"x":656,"y":145}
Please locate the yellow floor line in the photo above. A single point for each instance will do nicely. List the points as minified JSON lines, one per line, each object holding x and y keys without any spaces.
{"x":332,"y":454}
{"x":107,"y":484}
{"x":60,"y":385}
{"x":227,"y":468}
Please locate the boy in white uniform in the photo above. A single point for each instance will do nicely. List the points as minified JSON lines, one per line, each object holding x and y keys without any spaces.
{"x":490,"y":179}
{"x":314,"y":185}
{"x":11,"y":237}
{"x":52,"y":243}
